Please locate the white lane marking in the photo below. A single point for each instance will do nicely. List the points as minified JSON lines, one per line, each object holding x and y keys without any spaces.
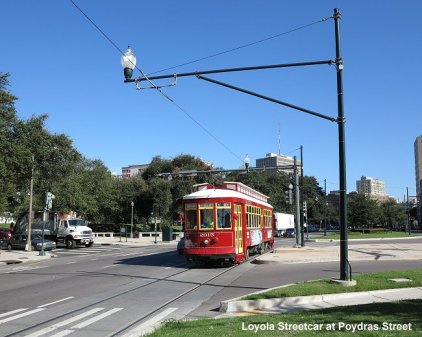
{"x":72,"y":253}
{"x":95,"y":318}
{"x":27,"y":313}
{"x":110,"y":266}
{"x":63,"y":333}
{"x":149,"y":325}
{"x":12,"y":312}
{"x":176,"y":265}
{"x":18,"y":269}
{"x":47,"y":304}
{"x":71,"y":262}
{"x":63,"y":323}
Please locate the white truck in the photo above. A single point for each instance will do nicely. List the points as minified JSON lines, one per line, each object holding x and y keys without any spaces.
{"x":62,"y":227}
{"x":71,"y":230}
{"x":282,"y":221}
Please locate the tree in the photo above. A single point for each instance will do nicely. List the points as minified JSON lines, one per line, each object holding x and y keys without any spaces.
{"x":362,"y":210}
{"x":88,"y":190}
{"x":8,"y":121}
{"x":392,"y":214}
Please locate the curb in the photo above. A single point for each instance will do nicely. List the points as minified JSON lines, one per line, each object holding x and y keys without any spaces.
{"x":3,"y":262}
{"x":300,"y":303}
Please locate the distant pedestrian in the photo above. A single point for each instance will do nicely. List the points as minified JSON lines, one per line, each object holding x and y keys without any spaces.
{"x":12,"y":227}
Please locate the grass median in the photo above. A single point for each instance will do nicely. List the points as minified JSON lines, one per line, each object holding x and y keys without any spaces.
{"x":371,"y":235}
{"x":364,"y":282}
{"x":377,"y":319}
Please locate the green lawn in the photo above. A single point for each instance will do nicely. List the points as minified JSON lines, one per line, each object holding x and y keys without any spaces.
{"x":385,"y":318}
{"x":365,"y":282}
{"x":378,"y":319}
{"x":360,"y":235}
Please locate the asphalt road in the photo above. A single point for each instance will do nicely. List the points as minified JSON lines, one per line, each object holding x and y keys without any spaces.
{"x":112,"y":291}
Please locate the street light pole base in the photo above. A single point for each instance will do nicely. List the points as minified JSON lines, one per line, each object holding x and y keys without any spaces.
{"x":350,"y":283}
{"x":41,"y":253}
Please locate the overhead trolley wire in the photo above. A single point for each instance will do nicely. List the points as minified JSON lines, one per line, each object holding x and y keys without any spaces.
{"x":242,"y":46}
{"x":194,"y":61}
{"x":156,"y":87}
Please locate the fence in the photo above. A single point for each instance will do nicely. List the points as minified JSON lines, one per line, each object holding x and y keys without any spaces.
{"x":142,"y":236}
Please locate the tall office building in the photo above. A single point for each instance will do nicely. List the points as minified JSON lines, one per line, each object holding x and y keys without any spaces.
{"x":274,"y":160}
{"x":418,"y":175}
{"x":370,"y":186}
{"x":418,"y":166}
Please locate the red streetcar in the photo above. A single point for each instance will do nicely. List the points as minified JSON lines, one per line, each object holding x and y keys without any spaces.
{"x":226,"y":224}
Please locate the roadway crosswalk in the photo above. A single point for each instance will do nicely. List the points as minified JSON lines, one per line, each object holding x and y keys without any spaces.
{"x":64,"y":327}
{"x":83,"y":251}
{"x":75,"y":323}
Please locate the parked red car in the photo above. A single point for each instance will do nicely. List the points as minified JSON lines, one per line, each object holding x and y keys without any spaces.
{"x":5,"y":233}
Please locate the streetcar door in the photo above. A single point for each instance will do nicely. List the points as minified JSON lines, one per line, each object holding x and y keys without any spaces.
{"x":238,"y":229}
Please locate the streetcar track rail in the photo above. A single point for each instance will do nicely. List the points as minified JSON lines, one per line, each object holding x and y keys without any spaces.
{"x":162,"y":306}
{"x":145,"y":316}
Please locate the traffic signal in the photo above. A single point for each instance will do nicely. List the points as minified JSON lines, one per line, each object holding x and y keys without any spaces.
{"x":289,"y":196}
{"x":49,"y":200}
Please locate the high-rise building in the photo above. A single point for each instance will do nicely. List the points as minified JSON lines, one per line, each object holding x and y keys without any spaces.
{"x":418,"y":175}
{"x":372,"y":187}
{"x":274,"y":160}
{"x":418,"y":166}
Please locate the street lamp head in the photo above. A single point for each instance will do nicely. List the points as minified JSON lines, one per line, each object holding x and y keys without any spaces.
{"x":247,"y":161}
{"x":128,"y":61}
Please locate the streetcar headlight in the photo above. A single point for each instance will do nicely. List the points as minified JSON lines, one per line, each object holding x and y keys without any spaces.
{"x":206,"y":241}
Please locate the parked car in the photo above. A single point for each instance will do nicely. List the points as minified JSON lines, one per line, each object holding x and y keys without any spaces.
{"x":181,"y":246}
{"x":313,"y":228}
{"x":289,"y":233}
{"x":5,"y":233}
{"x":19,"y":241}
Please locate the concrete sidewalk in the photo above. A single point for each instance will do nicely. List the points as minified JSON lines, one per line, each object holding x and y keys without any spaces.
{"x":238,"y":306}
{"x":406,"y":250}
{"x":21,"y":256}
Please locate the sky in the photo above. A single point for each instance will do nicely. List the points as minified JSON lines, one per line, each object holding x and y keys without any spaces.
{"x":63,"y":65}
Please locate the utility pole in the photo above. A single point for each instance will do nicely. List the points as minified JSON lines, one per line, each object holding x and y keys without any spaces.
{"x":302,"y":228}
{"x":325,"y":207}
{"x":29,"y":237}
{"x":297,"y":202}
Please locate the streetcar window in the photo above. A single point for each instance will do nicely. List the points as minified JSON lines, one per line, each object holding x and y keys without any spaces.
{"x":223,"y":215}
{"x":253,"y":216}
{"x":206,"y":216}
{"x":190,"y":220}
{"x":267,"y":218}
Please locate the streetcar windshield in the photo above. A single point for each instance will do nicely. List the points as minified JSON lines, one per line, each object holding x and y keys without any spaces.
{"x":206,"y":215}
{"x":223,"y":215}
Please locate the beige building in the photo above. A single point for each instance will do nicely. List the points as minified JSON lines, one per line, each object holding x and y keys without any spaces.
{"x":274,"y":160}
{"x":373,"y":188}
{"x":370,"y":186}
{"x":133,"y":170}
